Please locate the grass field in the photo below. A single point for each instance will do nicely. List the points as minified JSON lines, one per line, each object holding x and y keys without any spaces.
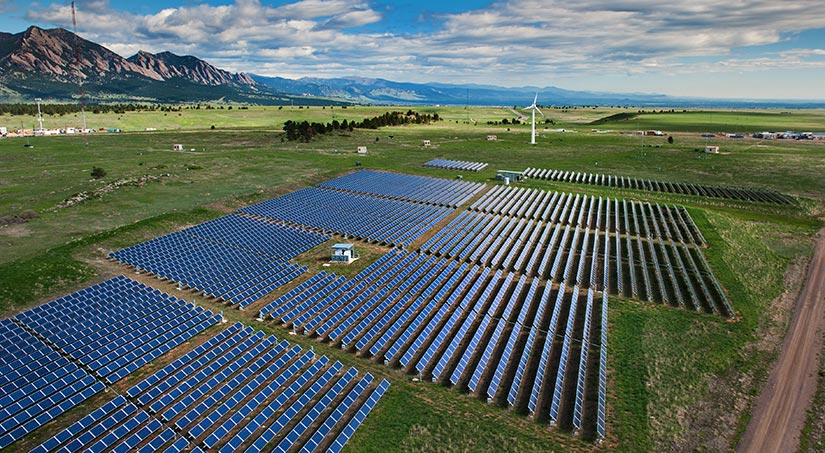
{"x":678,"y":381}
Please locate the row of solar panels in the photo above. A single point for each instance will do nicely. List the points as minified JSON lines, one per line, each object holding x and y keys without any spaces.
{"x":109,"y":330}
{"x":271,"y":239}
{"x":37,"y":384}
{"x":238,"y":389}
{"x":117,"y":326}
{"x":703,"y":190}
{"x":366,"y":217}
{"x":583,"y":211}
{"x":451,"y":322}
{"x":660,"y":270}
{"x":460,"y":165}
{"x":423,"y":189}
{"x":232,"y":274}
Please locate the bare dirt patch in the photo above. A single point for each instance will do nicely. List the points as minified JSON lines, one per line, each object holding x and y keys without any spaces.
{"x":15,"y":231}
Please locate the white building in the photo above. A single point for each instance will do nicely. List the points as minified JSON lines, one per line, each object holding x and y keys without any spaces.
{"x":492,"y":138}
{"x":343,"y":253}
{"x":177,"y":147}
{"x":426,"y":143}
{"x":712,"y":149}
{"x":3,"y":131}
{"x":362,"y":150}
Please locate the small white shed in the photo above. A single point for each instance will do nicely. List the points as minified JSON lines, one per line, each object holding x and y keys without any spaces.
{"x":344,"y":253}
{"x":177,"y":147}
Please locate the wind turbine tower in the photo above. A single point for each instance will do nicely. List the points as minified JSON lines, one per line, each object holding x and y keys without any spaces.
{"x":534,"y":108}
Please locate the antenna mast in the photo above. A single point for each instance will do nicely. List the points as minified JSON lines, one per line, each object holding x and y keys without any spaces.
{"x":79,"y":76}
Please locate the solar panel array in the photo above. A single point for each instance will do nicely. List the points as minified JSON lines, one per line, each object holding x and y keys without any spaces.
{"x":37,"y":383}
{"x":274,"y":240}
{"x":467,"y":325}
{"x":456,"y":165}
{"x":115,"y":327}
{"x":380,"y":220}
{"x":422,"y":189}
{"x":238,"y":390}
{"x":702,"y":190}
{"x":644,"y":251}
{"x":566,"y":209}
{"x":61,"y":353}
{"x":508,"y":301}
{"x":234,"y":258}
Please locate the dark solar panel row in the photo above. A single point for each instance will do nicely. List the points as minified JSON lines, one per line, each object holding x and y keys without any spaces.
{"x":423,"y":189}
{"x":117,"y":326}
{"x":274,"y":240}
{"x":232,"y":274}
{"x":588,"y":212}
{"x":654,"y":266}
{"x":111,"y":329}
{"x":456,"y":323}
{"x":238,"y":390}
{"x":380,"y":220}
{"x":37,"y":384}
{"x":702,"y":190}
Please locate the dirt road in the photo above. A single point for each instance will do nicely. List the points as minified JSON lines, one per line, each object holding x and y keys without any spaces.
{"x":780,"y":411}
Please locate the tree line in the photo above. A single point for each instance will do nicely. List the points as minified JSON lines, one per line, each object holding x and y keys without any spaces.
{"x":64,"y":109}
{"x":305,"y":131}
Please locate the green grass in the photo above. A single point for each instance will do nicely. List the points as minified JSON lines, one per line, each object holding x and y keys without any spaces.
{"x":667,"y":366}
{"x":813,"y":436}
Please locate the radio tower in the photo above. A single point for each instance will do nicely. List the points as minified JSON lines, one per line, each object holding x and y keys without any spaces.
{"x":79,"y":75}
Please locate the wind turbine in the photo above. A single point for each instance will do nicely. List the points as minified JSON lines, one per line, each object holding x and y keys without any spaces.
{"x":534,"y":108}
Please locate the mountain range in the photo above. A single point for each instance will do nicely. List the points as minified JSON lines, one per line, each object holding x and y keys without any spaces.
{"x":52,"y":63}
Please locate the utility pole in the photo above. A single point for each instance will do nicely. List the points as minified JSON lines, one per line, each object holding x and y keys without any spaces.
{"x":39,"y":118}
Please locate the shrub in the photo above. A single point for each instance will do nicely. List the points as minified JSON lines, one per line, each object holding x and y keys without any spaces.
{"x":98,"y":172}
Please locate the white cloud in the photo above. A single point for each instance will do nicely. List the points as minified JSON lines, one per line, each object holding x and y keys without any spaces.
{"x":508,"y":42}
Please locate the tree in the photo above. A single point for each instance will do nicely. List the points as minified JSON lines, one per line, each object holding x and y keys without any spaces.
{"x":98,"y":172}
{"x":670,"y":139}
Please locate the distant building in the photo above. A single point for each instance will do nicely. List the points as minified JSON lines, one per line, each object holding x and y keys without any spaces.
{"x":343,"y":253}
{"x":361,"y":150}
{"x":712,"y":149}
{"x":509,"y":176}
{"x":426,"y":143}
{"x":492,"y":138}
{"x":177,"y":147}
{"x":654,"y":132}
{"x":3,"y":131}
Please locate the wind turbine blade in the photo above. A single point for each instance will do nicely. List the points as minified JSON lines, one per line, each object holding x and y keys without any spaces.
{"x":536,"y":98}
{"x":539,"y":110}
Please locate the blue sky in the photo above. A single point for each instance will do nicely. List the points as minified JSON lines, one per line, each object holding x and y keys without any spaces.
{"x":753,"y":49}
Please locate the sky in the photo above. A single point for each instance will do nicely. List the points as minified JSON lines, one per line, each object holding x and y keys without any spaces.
{"x":745,"y":49}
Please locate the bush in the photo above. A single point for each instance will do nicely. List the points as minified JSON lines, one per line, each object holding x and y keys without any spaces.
{"x":98,"y":172}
